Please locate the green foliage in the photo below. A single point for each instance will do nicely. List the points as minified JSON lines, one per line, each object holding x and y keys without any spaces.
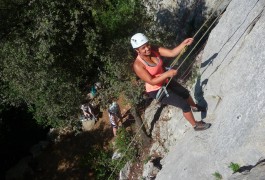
{"x":51,"y":49}
{"x":116,"y":16}
{"x":195,"y":75}
{"x":124,"y":145}
{"x":217,"y":176}
{"x":45,"y":59}
{"x":234,"y":167}
{"x":118,"y":76}
{"x":100,"y":162}
{"x":119,"y":19}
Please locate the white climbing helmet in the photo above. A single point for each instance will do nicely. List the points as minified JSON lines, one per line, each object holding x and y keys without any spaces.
{"x":114,"y":108}
{"x":97,"y":85}
{"x":138,"y":40}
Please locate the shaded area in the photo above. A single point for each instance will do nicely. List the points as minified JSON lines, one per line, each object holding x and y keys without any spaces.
{"x":249,"y":167}
{"x":19,"y":132}
{"x":185,"y":21}
{"x":157,"y":163}
{"x":198,"y":95}
{"x":64,"y":159}
{"x":156,"y":117}
{"x":209,"y":61}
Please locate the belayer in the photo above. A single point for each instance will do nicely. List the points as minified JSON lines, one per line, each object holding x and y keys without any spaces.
{"x":148,"y":66}
{"x":115,"y":116}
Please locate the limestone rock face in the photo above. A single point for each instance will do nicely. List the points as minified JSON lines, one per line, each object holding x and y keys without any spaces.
{"x":232,"y":83}
{"x":180,"y":17}
{"x":156,"y":6}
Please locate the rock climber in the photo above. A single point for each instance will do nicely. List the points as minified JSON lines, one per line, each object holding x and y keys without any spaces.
{"x":148,"y":66}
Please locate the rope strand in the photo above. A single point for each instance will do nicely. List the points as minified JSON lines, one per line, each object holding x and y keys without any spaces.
{"x":184,"y":49}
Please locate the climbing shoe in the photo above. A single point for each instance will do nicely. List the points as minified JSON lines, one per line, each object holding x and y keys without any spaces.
{"x":198,"y":108}
{"x":200,"y":126}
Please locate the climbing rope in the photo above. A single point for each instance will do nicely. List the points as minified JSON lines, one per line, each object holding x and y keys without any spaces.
{"x":172,"y":64}
{"x":185,"y":48}
{"x":189,"y":69}
{"x":162,"y":90}
{"x":133,"y":139}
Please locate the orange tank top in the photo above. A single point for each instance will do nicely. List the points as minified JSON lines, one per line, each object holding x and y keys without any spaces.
{"x":155,"y":71}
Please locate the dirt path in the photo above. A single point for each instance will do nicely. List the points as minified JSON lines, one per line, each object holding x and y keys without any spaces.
{"x":61,"y":160}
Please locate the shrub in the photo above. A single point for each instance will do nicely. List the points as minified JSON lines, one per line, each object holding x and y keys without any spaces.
{"x":100,"y":162}
{"x":124,"y":145}
{"x":217,"y":176}
{"x":234,"y":167}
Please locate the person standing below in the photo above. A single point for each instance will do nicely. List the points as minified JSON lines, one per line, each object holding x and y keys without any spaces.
{"x":94,"y":90}
{"x":114,"y":117}
{"x":148,"y":66}
{"x":87,"y":111}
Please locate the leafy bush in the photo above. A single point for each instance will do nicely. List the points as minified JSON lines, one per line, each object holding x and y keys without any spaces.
{"x":117,"y":74}
{"x":125,"y":147}
{"x":99,"y":160}
{"x":217,"y":176}
{"x":234,"y":167}
{"x":124,"y":144}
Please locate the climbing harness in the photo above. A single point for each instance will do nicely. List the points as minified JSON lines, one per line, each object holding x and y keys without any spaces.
{"x":163,"y":89}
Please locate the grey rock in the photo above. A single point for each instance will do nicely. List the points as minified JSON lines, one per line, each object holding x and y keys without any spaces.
{"x":178,"y":17}
{"x":116,"y":155}
{"x":88,"y":125}
{"x":150,"y":171}
{"x":125,"y":171}
{"x":232,"y":83}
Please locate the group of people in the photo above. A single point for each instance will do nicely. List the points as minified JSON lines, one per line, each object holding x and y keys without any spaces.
{"x":88,"y":110}
{"x":87,"y":107}
{"x":148,"y":66}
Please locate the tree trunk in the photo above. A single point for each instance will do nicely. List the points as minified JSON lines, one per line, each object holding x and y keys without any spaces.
{"x":138,"y":121}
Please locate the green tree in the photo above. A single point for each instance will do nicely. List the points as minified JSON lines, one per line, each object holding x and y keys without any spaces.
{"x":46,"y":57}
{"x":51,"y":50}
{"x":119,"y":20}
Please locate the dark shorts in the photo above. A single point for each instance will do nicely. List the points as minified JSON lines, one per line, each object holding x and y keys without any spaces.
{"x":178,"y":96}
